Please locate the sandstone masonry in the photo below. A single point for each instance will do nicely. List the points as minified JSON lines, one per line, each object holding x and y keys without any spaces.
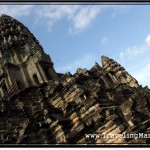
{"x":40,"y":106}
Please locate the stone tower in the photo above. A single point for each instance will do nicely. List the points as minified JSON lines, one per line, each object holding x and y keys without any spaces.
{"x":116,"y":69}
{"x":23,"y":62}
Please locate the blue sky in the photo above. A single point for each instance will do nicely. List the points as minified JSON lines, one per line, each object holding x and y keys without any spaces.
{"x":76,"y":36}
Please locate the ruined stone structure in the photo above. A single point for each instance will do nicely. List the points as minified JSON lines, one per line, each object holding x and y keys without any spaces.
{"x":40,"y":106}
{"x":23,"y":62}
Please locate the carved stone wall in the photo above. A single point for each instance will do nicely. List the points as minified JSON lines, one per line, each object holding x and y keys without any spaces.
{"x":71,"y":109}
{"x":22,"y":59}
{"x":65,"y":111}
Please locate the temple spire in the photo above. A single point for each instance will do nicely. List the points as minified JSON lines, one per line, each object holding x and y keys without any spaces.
{"x":111,"y":66}
{"x":23,"y":62}
{"x":115,"y":68}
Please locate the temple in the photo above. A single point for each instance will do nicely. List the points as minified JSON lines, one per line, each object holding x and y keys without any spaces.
{"x":40,"y":106}
{"x":117,"y":72}
{"x":23,"y":62}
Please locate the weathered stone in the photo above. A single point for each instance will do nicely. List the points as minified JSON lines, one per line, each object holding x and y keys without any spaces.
{"x":39,"y":105}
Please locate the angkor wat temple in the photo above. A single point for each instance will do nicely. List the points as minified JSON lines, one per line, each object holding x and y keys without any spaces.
{"x":40,"y":106}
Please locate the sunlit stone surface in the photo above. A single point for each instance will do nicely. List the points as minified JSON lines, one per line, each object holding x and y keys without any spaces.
{"x":40,"y":106}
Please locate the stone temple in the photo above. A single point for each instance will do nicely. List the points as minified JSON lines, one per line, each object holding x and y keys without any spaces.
{"x":40,"y":106}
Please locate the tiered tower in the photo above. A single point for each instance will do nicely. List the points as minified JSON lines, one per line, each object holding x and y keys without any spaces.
{"x":23,"y":62}
{"x":116,"y":69}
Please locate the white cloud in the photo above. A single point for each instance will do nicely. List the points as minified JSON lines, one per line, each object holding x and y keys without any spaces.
{"x":143,"y":72}
{"x":133,"y":51}
{"x":79,"y":16}
{"x":86,"y":61}
{"x":50,"y":14}
{"x":143,"y":75}
{"x":104,"y":40}
{"x":83,"y":18}
{"x":120,"y":9}
{"x":147,"y":40}
{"x":56,"y":11}
{"x":16,"y":10}
{"x":122,"y":55}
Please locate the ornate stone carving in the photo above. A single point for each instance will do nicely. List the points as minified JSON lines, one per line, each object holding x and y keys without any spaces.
{"x":64,"y":110}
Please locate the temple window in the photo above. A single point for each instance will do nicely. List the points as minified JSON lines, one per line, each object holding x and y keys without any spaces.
{"x":46,"y":70}
{"x":35,"y":78}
